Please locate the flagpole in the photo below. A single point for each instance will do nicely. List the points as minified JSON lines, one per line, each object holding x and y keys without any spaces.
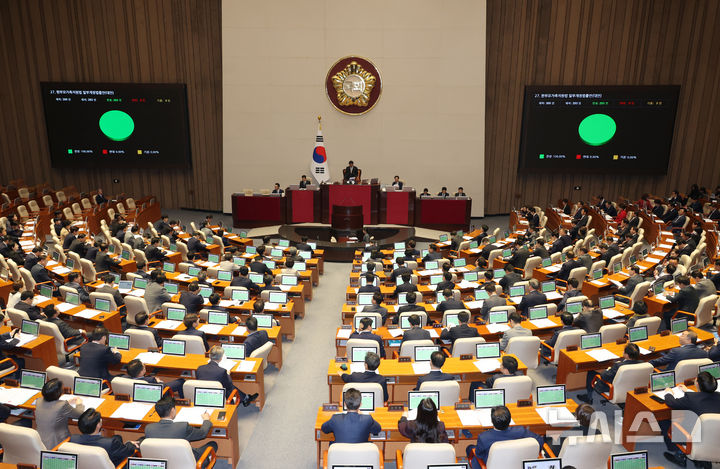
{"x":319,"y":122}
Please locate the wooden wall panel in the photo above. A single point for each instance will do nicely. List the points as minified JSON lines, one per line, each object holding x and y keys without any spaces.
{"x":601,"y":42}
{"x":158,"y":41}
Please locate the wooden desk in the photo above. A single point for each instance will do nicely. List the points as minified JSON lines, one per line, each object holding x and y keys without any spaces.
{"x":38,"y":354}
{"x":443,"y":214}
{"x":258,"y":210}
{"x":5,"y":289}
{"x":111,"y":321}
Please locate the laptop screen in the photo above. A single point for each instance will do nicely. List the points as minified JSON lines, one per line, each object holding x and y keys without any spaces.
{"x":607,"y":302}
{"x":617,"y":267}
{"x":55,"y":256}
{"x":547,"y":262}
{"x":305,"y":255}
{"x":72,"y":298}
{"x":264,"y":320}
{"x":45,"y":290}
{"x":402,"y":298}
{"x":498,"y":273}
{"x":176,"y":314}
{"x":140,"y":283}
{"x":517,"y":290}
{"x":498,"y":317}
{"x":300,"y":266}
{"x":32,"y":379}
{"x":364,"y":281}
{"x":276,"y":252}
{"x":481,"y":294}
{"x":470,"y":277}
{"x":431,"y":265}
{"x":173,"y":247}
{"x":443,"y":238}
{"x":459,"y":262}
{"x":240,"y":295}
{"x":205,"y":291}
{"x":712,"y":368}
{"x":415,"y":397}
{"x":597,"y":274}
{"x":487,"y":350}
{"x":658,"y":288}
{"x":547,"y":395}
{"x":214,"y":258}
{"x":70,"y":264}
{"x":255,"y":277}
{"x":488,"y":398}
{"x":574,"y":307}
{"x":367,"y":402}
{"x":359,"y":318}
{"x":279,"y":297}
{"x":125,"y":254}
{"x":399,"y":246}
{"x":441,"y":297}
{"x":101,"y":304}
{"x":218,"y":317}
{"x":548,"y":286}
{"x":313,"y":245}
{"x":234,"y":351}
{"x":251,"y":250}
{"x":171,"y":288}
{"x":678,"y":325}
{"x":87,"y":386}
{"x":590,"y":341}
{"x":358,"y":353}
{"x":423,"y":352}
{"x":405,"y":322}
{"x":507,"y":252}
{"x":209,"y":397}
{"x":554,"y":463}
{"x":194,"y":271}
{"x":638,"y":333}
{"x":56,"y":460}
{"x":284,"y":243}
{"x":173,"y":347}
{"x":660,"y":381}
{"x":168,"y":267}
{"x":435,"y":279}
{"x":364,"y":299}
{"x":289,"y":280}
{"x":636,"y":460}
{"x":269,"y":264}
{"x":126,"y":285}
{"x":119,"y":341}
{"x":238,"y":261}
{"x":538,"y":312}
{"x":146,"y":392}
{"x":142,"y":463}
{"x":30,"y":327}
{"x":452,"y":319}
{"x":224,"y":275}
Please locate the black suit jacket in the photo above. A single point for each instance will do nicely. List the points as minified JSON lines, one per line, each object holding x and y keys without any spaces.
{"x":510,"y":279}
{"x":95,"y":360}
{"x":33,"y":312}
{"x":673,"y":356}
{"x":698,"y":402}
{"x":541,"y":252}
{"x":192,"y":302}
{"x":214,"y":372}
{"x":260,"y":267}
{"x":195,"y":246}
{"x":40,"y":274}
{"x":154,"y":254}
{"x":434,"y":376}
{"x":367,"y":377}
{"x":350,"y":172}
{"x":369,"y":288}
{"x":66,"y":330}
{"x":245,"y":282}
{"x":460,"y":331}
{"x":399,"y":272}
{"x":567,"y":267}
{"x":104,"y":262}
{"x":686,"y":299}
{"x":254,"y":341}
{"x":196,"y":333}
{"x":405,"y":287}
{"x":370,"y":336}
{"x":166,"y":428}
{"x":449,"y":304}
{"x":68,"y":241}
{"x":519,"y":259}
{"x":114,"y":446}
{"x":533,"y":298}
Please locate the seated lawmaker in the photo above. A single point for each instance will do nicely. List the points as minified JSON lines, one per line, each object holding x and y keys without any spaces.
{"x":412,"y":298}
{"x":304,"y":182}
{"x":67,"y":331}
{"x":437,"y":360}
{"x":443,"y":192}
{"x":631,"y":356}
{"x":460,"y":192}
{"x":52,"y":414}
{"x":376,"y":307}
{"x":687,"y":350}
{"x":191,"y":298}
{"x":407,"y":286}
{"x":196,"y":246}
{"x":397,"y":183}
{"x":256,"y":338}
{"x":108,"y":287}
{"x":96,"y":357}
{"x":90,"y":426}
{"x":516,"y":330}
{"x":370,"y":375}
{"x":449,"y":302}
{"x":533,"y":298}
{"x":212,"y":371}
{"x":141,"y":320}
{"x":192,"y":322}
{"x":426,"y":428}
{"x":26,"y":304}
{"x":366,"y":332}
{"x":567,"y":325}
{"x":369,"y":286}
{"x":351,"y":174}
{"x":351,"y":426}
{"x":509,"y":367}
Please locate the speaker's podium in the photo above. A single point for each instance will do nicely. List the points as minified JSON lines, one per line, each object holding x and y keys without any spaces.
{"x":303,"y":205}
{"x":350,"y":195}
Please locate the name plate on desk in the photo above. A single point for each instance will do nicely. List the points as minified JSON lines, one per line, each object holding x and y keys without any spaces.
{"x":404,"y":360}
{"x":331,"y":407}
{"x":466,"y":356}
{"x":462,"y":406}
{"x":341,"y":359}
{"x":396,"y":407}
{"x":571,"y":348}
{"x":524,"y":402}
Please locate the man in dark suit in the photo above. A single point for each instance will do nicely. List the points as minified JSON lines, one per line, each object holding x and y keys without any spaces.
{"x":32,"y":258}
{"x":257,"y":265}
{"x":714,"y":275}
{"x":162,"y":226}
{"x":607,"y":253}
{"x":446,"y":282}
{"x":556,"y":245}
{"x":502,"y":431}
{"x":686,"y":299}
{"x":460,"y":331}
{"x":196,"y":246}
{"x":437,"y":360}
{"x":401,"y":270}
{"x":192,"y":322}
{"x":376,"y":307}
{"x":493,"y":300}
{"x":416,"y":332}
{"x":432,"y":254}
{"x":567,"y":321}
{"x":72,"y":236}
{"x":103,"y":261}
{"x":141,"y":320}
{"x":351,"y":173}
{"x":303,"y":182}
{"x":449,"y":302}
{"x":255,"y":338}
{"x":137,"y":371}
{"x":540,"y":250}
{"x":366,"y":332}
{"x":92,"y":251}
{"x":632,"y":282}
{"x":406,"y":287}
{"x":687,"y":350}
{"x":242,"y":280}
{"x":96,"y":357}
{"x":369,"y":286}
{"x":303,"y":244}
{"x":511,"y":278}
{"x":412,"y":298}
{"x":90,"y":425}
{"x":508,"y":367}
{"x":397,"y":184}
{"x":108,"y":287}
{"x":533,"y":298}
{"x":40,"y":274}
{"x":590,"y":319}
{"x":67,"y":331}
{"x":572,"y":291}
{"x":679,"y":221}
{"x":631,"y":356}
{"x":153,"y":253}
{"x":79,"y":245}
{"x":25,"y":304}
{"x":585,"y":259}
{"x":706,"y":401}
{"x":168,"y":428}
{"x":351,"y":427}
{"x":370,"y":375}
{"x":658,"y":210}
{"x":214,"y":372}
{"x":670,"y":215}
{"x":100,"y":199}
{"x":519,"y":257}
{"x":570,"y":264}
{"x":72,"y":283}
{"x":665,"y":275}
{"x":191,"y":299}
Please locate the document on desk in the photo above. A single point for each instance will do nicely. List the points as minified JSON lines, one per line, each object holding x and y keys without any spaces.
{"x":168,"y":324}
{"x":40,"y":299}
{"x":616,"y":283}
{"x":245,"y":366}
{"x":610,"y":313}
{"x":465,"y":284}
{"x":227,"y":364}
{"x":226,"y":303}
{"x":598,"y":283}
{"x":421,"y":368}
{"x":137,"y":292}
{"x":24,"y":339}
{"x":477,"y":304}
{"x":357,"y":367}
{"x":150,"y":358}
{"x":557,"y":416}
{"x":542,"y":323}
{"x":192,"y":415}
{"x":495,"y":328}
{"x":665,"y":246}
{"x":239,"y":330}
{"x":16,"y":396}
{"x":395,"y":332}
{"x":662,"y":297}
{"x":184,"y":277}
{"x":433,"y":333}
{"x":211,"y":328}
{"x":475,"y":250}
{"x":553,"y":268}
{"x":676,"y":392}
{"x":88,"y":313}
{"x":285,"y":288}
{"x":553,"y":295}
{"x":516,"y":299}
{"x":273,"y":306}
{"x":487,"y":365}
{"x":87,"y":401}
{"x":601,"y":355}
{"x":61,"y":270}
{"x":653,"y":259}
{"x":644,"y":351}
{"x":344,"y":333}
{"x":427,"y":273}
{"x":132,"y":411}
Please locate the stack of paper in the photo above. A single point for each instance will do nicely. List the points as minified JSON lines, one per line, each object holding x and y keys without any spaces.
{"x":40,"y":299}
{"x":395,"y":332}
{"x":227,"y":364}
{"x":662,"y":297}
{"x":16,"y":396}
{"x":357,"y":367}
{"x":184,"y":277}
{"x":192,"y":415}
{"x":24,"y":339}
{"x":495,"y":328}
{"x":132,"y":411}
{"x":62,"y":307}
{"x":226,"y":303}
{"x":344,"y":333}
{"x":644,"y":351}
{"x":150,"y":358}
{"x":137,"y":292}
{"x":433,"y":333}
{"x":211,"y":328}
{"x":61,"y":270}
{"x":421,"y":368}
{"x":465,"y":284}
{"x":598,"y":283}
{"x":601,"y":355}
{"x":477,"y":304}
{"x":245,"y":366}
{"x":553,"y":268}
{"x":88,"y":402}
{"x":676,"y":392}
{"x":168,"y":324}
{"x":239,"y":330}
{"x":487,"y":365}
{"x":553,"y":295}
{"x":611,"y":313}
{"x":557,"y":416}
{"x":616,"y":283}
{"x":542,"y":323}
{"x":88,"y":313}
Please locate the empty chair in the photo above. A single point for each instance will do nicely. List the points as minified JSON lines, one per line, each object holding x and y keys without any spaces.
{"x":591,"y":452}
{"x":62,"y":346}
{"x":20,"y":444}
{"x":190,"y":384}
{"x":141,"y":339}
{"x":33,"y":206}
{"x":120,"y":385}
{"x":374,"y":388}
{"x":612,"y":332}
{"x":133,"y":306}
{"x":263,"y":352}
{"x":89,"y":457}
{"x":652,"y":323}
{"x":422,"y":455}
{"x":407,"y":348}
{"x":530,"y":265}
{"x":88,"y":271}
{"x":449,"y":391}
{"x":66,"y":377}
{"x":627,"y":379}
{"x":516,"y":387}
{"x":178,"y":453}
{"x":702,"y":448}
{"x":23,"y":213}
{"x":351,"y":454}
{"x":578,"y":273}
{"x":526,"y":349}
{"x":47,"y":200}
{"x":564,"y":340}
{"x":17,"y":316}
{"x":466,"y":346}
{"x":28,"y":279}
{"x":702,"y":315}
{"x":688,"y":369}
{"x":637,"y":294}
{"x":104,"y":296}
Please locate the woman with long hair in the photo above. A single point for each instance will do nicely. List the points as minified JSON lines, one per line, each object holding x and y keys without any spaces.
{"x":426,"y":428}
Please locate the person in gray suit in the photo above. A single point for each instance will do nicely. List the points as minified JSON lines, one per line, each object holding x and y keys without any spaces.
{"x":415,"y":332}
{"x":585,"y":258}
{"x":516,"y":330}
{"x":52,"y":414}
{"x":590,"y":319}
{"x":632,"y":282}
{"x":493,"y":300}
{"x":167,"y":428}
{"x":704,"y":286}
{"x":109,"y":280}
{"x":155,"y":293}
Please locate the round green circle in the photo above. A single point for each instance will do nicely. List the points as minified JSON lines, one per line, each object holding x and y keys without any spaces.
{"x":597,"y":129}
{"x":117,"y":125}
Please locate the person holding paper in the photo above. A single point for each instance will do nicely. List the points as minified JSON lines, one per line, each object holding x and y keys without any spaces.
{"x":351,"y":427}
{"x":509,"y":367}
{"x":52,"y":414}
{"x":631,"y":356}
{"x":214,"y":372}
{"x":426,"y":428}
{"x":632,"y":282}
{"x":351,"y":173}
{"x":370,"y":375}
{"x":437,"y":360}
{"x":191,"y":299}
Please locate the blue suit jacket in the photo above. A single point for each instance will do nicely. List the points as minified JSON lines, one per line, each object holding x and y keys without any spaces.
{"x":254,"y":341}
{"x":487,"y":438}
{"x":673,"y":356}
{"x":351,"y":427}
{"x":214,"y":372}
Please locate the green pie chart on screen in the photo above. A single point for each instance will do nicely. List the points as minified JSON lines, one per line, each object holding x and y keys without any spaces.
{"x":116,"y":125}
{"x":597,"y":129}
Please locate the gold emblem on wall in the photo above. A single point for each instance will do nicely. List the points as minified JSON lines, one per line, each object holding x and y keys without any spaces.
{"x":353,"y":85}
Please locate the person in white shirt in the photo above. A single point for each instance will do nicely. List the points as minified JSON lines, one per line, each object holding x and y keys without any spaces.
{"x":227,"y":263}
{"x":15,"y":295}
{"x":288,"y":269}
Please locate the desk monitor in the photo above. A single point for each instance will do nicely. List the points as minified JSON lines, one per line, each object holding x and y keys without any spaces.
{"x":359,"y":318}
{"x":238,"y":261}
{"x":234,"y":351}
{"x":635,"y":460}
{"x":288,"y":280}
{"x":443,"y":238}
{"x":143,"y":463}
{"x":240,"y":295}
{"x":554,"y":463}
{"x":358,"y":353}
{"x":225,"y":275}
{"x":72,"y":298}
{"x":45,"y":290}
{"x":473,"y":245}
{"x":658,"y":288}
{"x":492,"y":239}
{"x":57,"y":460}
{"x":214,"y":258}
{"x":452,"y":319}
{"x":250,"y":250}
{"x":487,"y":350}
{"x":363,"y":267}
{"x":171,"y":288}
{"x":119,"y":341}
{"x":209,"y":397}
{"x":638,"y":333}
{"x":607,"y":302}
{"x":364,"y":299}
{"x":596,"y":274}
{"x":633,"y":260}
{"x":209,"y":239}
{"x":205,"y":291}
{"x":300,"y":266}
{"x":470,"y":277}
{"x":481,"y":294}
{"x":173,"y":347}
{"x":402,"y":298}
{"x":256,"y":277}
{"x":264,"y":320}
{"x":126,"y":285}
{"x":91,"y":387}
{"x":269,"y":264}
{"x":538,"y":312}
{"x":678,"y":325}
{"x":111,"y":248}
{"x":305,"y":255}
{"x":546,"y":262}
{"x":404,"y":322}
{"x":435,"y":279}
{"x":30,"y":327}
{"x":662,"y":380}
{"x":563,"y":257}
{"x":32,"y":379}
{"x":459,"y":262}
{"x":506,"y":253}
{"x":175,"y":314}
{"x":460,"y":465}
{"x":548,"y":286}
{"x":101,"y":304}
{"x":574,"y":307}
{"x":549,"y":395}
{"x":55,"y":256}
{"x":398,"y":280}
{"x":517,"y":290}
{"x":431,"y":265}
{"x":125,"y":254}
{"x":221,"y":318}
{"x":489,"y":398}
{"x":616,"y":267}
{"x":172,"y":247}
{"x":498,"y":273}
{"x":424,"y":252}
{"x":284,"y":243}
{"x":498,"y":317}
{"x":415,"y":397}
{"x":279,"y":297}
{"x":140,"y":283}
{"x":194,"y":271}
{"x":399,"y":246}
{"x":440,"y":297}
{"x":422,"y":352}
{"x":312,"y":244}
{"x":367,"y":402}
{"x":590,"y":341}
{"x":712,"y":368}
{"x":116,"y":276}
{"x":276,"y":252}
{"x":168,"y":267}
{"x":146,"y":392}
